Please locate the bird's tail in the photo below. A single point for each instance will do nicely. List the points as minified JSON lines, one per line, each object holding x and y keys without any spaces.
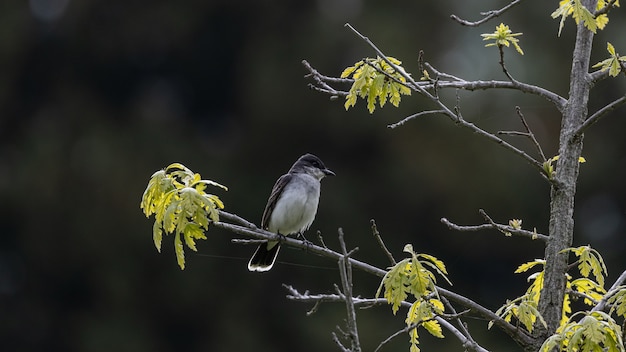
{"x":264,"y":257}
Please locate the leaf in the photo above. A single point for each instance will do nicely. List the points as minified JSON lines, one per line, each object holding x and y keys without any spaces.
{"x":433,"y":327}
{"x":590,"y":262}
{"x":618,"y":302}
{"x":526,"y":266}
{"x":180,"y":252}
{"x":375,"y":79}
{"x":503,"y":36}
{"x":177,"y":198}
{"x":157,"y":235}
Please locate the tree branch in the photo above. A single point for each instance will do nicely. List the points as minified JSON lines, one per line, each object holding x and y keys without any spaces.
{"x":455,"y":82}
{"x":600,"y":114}
{"x":453,"y":115}
{"x":487,"y":15}
{"x":614,"y":288}
{"x":345,"y":273}
{"x":529,"y":134}
{"x":416,"y":115}
{"x":252,"y":231}
{"x":505,"y":229}
{"x":379,"y":239}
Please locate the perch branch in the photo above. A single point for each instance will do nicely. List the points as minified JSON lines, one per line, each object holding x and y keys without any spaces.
{"x":257,"y":233}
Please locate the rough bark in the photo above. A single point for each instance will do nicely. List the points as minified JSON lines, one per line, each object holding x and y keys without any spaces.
{"x":562,"y":193}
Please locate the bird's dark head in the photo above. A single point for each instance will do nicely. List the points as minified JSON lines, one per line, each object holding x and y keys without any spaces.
{"x":310,"y":164}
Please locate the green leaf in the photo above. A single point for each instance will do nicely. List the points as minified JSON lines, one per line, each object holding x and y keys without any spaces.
{"x":526,"y":266}
{"x":180,"y":252}
{"x":157,"y":235}
{"x":177,"y":198}
{"x":618,"y":302}
{"x":376,"y":79}
{"x":503,"y":36}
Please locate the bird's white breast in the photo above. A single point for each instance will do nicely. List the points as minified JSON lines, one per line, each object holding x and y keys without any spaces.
{"x":296,"y":208}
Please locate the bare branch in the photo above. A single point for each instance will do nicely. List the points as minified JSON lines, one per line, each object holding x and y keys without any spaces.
{"x":407,"y":329}
{"x":531,"y":135}
{"x":456,"y":82}
{"x":504,"y":69}
{"x":409,"y":118}
{"x":325,"y":252}
{"x":338,"y":342}
{"x":491,"y":225}
{"x":600,"y":114}
{"x":379,"y":239}
{"x":321,"y":80}
{"x":487,"y":15}
{"x":321,"y":239}
{"x":462,"y":333}
{"x":467,"y":342}
{"x":520,"y":336}
{"x":345,"y":273}
{"x":614,"y":288}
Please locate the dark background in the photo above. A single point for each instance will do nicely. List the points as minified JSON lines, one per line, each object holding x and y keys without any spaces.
{"x":95,"y":96}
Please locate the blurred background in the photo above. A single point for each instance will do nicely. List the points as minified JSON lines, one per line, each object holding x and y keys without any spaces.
{"x":95,"y":96}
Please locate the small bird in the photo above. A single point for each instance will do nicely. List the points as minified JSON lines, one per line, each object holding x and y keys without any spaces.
{"x":291,"y":207}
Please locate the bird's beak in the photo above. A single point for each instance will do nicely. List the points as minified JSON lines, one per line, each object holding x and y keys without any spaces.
{"x":328,"y":172}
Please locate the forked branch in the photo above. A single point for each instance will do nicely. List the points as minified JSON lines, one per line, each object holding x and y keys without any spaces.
{"x":487,"y":15}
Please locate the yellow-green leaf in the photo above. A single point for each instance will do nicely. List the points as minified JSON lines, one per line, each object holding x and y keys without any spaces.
{"x":177,"y":198}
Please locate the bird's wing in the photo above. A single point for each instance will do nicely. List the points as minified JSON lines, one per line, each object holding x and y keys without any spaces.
{"x":277,"y":190}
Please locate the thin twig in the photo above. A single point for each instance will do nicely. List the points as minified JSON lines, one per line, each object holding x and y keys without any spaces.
{"x":528,"y":134}
{"x":406,"y":329}
{"x":321,"y":239}
{"x":506,"y":229}
{"x":531,"y":135}
{"x":345,"y":273}
{"x":325,"y":252}
{"x":456,"y":117}
{"x":605,"y":9}
{"x":487,"y":15}
{"x":599,"y":114}
{"x":379,"y":239}
{"x":455,"y":82}
{"x":614,"y":289}
{"x":338,"y":342}
{"x":416,"y":115}
{"x":506,"y":72}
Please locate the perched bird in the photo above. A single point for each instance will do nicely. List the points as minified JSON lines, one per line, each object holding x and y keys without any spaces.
{"x":291,"y":207}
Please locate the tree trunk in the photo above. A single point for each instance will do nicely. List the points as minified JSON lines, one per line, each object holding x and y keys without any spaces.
{"x":563,"y":191}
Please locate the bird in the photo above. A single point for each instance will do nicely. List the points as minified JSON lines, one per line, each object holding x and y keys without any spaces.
{"x":291,"y":207}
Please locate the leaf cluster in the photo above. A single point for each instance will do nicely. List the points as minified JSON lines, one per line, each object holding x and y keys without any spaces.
{"x":413,"y":276}
{"x":503,"y":36}
{"x":579,"y":13}
{"x":549,"y":168}
{"x":177,"y":197}
{"x":614,"y":64}
{"x":376,"y":79}
{"x":525,"y":307}
{"x":595,"y":331}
